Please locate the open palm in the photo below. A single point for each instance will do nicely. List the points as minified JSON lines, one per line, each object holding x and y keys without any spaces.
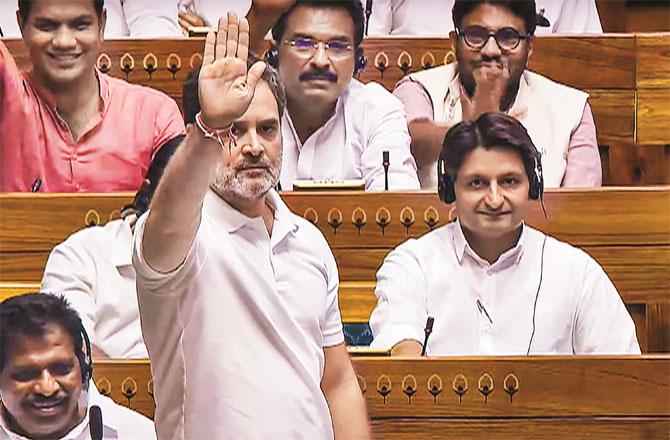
{"x":225,"y":85}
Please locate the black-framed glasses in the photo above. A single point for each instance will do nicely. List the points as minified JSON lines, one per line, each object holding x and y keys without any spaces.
{"x":507,"y":38}
{"x":307,"y":46}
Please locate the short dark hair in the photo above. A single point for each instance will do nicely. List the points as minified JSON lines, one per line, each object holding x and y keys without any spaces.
{"x":142,"y":200}
{"x":524,"y":9}
{"x":354,"y":7}
{"x":29,"y":315}
{"x":191,"y":101}
{"x":25,"y":6}
{"x":490,"y":130}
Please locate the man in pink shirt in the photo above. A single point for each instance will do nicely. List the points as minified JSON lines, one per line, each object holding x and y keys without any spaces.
{"x":66,"y":127}
{"x":493,"y":42}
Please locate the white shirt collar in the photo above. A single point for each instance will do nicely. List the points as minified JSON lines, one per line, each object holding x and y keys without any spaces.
{"x":506,"y":259}
{"x":121,"y":252}
{"x":233,"y":220}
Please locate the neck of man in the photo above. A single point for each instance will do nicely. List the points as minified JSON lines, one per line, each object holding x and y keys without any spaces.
{"x":308,"y":118}
{"x":491,"y":248}
{"x":78,"y":102}
{"x":256,"y":207}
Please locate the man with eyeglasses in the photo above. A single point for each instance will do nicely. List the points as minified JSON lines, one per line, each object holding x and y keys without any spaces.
{"x":336,"y":128}
{"x":493,"y":42}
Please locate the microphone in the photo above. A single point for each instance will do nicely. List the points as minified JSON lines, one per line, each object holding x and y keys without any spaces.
{"x":427,"y":331}
{"x":386,"y":163}
{"x":368,"y":13}
{"x":37,"y":184}
{"x":95,"y":422}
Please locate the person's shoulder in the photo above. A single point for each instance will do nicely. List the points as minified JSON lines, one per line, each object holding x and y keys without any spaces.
{"x":92,"y":235}
{"x":127,"y":421}
{"x":372,"y":95}
{"x":541,"y":83}
{"x":429,"y":243}
{"x":561,"y":252}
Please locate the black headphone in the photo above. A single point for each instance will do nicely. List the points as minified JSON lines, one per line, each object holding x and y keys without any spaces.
{"x":272,"y":58}
{"x":85,"y":359}
{"x":446,"y":182}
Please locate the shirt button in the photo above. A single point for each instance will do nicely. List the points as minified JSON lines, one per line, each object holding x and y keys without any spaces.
{"x":488,"y":272}
{"x":74,"y":156}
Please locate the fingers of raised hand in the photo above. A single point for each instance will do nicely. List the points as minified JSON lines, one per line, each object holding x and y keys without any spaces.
{"x":233,"y":34}
{"x":243,"y":40}
{"x":210,"y":48}
{"x":222,"y":37}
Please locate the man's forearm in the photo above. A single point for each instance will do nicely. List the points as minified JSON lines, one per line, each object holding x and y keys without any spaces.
{"x":175,"y":208}
{"x":427,"y":138}
{"x":347,"y":409}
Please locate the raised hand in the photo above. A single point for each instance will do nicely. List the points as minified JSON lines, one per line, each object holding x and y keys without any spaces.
{"x":225,"y":86}
{"x":491,"y":82}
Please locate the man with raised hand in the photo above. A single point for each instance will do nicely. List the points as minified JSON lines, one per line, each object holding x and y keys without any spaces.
{"x":493,"y":41}
{"x":237,"y":295}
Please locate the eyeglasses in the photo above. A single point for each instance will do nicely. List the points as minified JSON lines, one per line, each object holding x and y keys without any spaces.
{"x":507,"y":38}
{"x":307,"y":46}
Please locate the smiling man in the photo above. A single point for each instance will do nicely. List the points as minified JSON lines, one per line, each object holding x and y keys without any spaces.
{"x":493,"y":285}
{"x":493,"y":41}
{"x":45,"y":376}
{"x":64,"y":125}
{"x":336,"y":127}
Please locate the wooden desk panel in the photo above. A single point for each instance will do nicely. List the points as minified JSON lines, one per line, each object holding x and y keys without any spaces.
{"x":618,"y":397}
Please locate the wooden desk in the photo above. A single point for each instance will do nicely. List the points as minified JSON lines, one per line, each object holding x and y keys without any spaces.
{"x":627,"y":76}
{"x":626,"y":229}
{"x":584,"y":397}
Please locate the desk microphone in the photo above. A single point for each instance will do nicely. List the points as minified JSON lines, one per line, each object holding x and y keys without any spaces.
{"x":95,"y":422}
{"x":386,"y":163}
{"x":427,"y":331}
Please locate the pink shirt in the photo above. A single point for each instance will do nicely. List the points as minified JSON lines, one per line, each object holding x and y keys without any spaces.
{"x":113,"y":151}
{"x":583,"y":168}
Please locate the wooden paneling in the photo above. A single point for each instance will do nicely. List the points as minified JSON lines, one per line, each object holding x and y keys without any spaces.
{"x":601,"y":428}
{"x":636,"y":165}
{"x":39,"y":222}
{"x":607,"y":397}
{"x":653,"y":61}
{"x":8,"y":290}
{"x":653,"y":116}
{"x":614,"y":115}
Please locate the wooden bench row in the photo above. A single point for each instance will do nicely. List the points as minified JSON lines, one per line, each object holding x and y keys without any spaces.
{"x":627,"y":75}
{"x":507,"y":397}
{"x":627,"y":230}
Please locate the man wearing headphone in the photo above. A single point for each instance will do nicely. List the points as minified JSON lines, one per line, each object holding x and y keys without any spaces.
{"x":493,"y":285}
{"x":45,"y":377}
{"x":336,"y":127}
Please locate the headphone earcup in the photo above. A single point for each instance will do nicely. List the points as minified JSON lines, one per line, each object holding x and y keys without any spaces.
{"x":272,"y":57}
{"x":360,"y":61}
{"x":537,"y":181}
{"x":445,"y":185}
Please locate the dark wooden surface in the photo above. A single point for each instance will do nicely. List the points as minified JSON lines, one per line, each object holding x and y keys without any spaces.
{"x":605,"y":397}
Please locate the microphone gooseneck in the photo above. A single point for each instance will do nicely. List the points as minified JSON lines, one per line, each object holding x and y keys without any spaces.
{"x":386,"y":163}
{"x":427,"y":331}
